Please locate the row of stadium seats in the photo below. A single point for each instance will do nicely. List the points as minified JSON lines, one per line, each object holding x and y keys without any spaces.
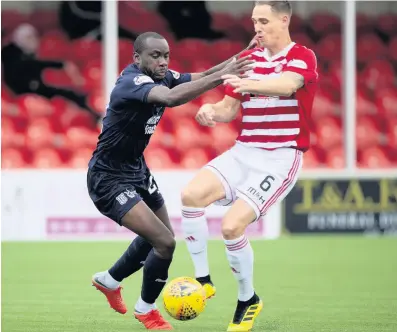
{"x":135,"y":17}
{"x":33,"y":124}
{"x":41,"y":133}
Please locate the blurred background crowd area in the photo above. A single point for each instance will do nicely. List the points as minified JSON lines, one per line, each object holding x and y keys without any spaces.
{"x":52,"y":95}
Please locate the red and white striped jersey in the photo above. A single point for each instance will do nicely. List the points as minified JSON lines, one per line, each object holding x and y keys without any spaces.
{"x":277,"y":122}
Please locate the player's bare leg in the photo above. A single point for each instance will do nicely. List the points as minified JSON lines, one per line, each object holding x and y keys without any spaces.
{"x":109,"y":282}
{"x":133,"y":259}
{"x":142,"y":221}
{"x":241,"y":259}
{"x":203,"y":190}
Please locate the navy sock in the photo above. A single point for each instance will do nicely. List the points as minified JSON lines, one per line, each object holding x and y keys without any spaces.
{"x":132,"y":260}
{"x":155,"y":274}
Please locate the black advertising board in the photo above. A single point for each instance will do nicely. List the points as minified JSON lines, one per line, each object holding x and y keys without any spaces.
{"x":342,"y":206}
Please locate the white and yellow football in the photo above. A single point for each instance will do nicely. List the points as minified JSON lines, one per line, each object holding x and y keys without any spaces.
{"x":184,"y":298}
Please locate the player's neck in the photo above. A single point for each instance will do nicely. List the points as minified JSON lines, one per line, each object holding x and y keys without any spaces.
{"x":281,"y":45}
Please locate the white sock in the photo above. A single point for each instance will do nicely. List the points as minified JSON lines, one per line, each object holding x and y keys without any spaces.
{"x":241,"y":258}
{"x":143,"y":308}
{"x":195,"y":232}
{"x":107,"y":280}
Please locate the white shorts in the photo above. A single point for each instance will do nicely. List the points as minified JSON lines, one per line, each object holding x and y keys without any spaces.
{"x":259,"y":177}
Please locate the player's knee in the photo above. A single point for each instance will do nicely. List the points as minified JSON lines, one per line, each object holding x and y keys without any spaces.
{"x":166,"y":247}
{"x":192,"y":197}
{"x":232,"y":231}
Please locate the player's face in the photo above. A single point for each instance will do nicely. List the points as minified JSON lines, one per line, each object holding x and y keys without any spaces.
{"x":269,"y":25}
{"x":154,"y":59}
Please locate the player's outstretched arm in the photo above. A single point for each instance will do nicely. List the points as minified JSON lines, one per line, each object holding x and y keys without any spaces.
{"x":284,"y":85}
{"x":223,"y":111}
{"x":220,"y":66}
{"x":185,"y":92}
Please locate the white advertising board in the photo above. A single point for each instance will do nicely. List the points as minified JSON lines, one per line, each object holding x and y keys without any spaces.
{"x":54,"y":205}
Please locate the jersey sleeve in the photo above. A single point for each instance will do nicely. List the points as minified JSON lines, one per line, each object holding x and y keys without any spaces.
{"x":304,"y":63}
{"x":229,"y":92}
{"x":178,"y":78}
{"x":137,"y":87}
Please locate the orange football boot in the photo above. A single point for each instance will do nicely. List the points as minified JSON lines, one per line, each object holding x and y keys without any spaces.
{"x":153,"y":320}
{"x":113,"y":296}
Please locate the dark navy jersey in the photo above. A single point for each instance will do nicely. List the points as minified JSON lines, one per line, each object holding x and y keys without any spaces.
{"x":130,"y":121}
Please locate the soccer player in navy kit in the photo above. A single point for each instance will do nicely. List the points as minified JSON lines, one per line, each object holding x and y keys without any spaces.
{"x":119,"y":181}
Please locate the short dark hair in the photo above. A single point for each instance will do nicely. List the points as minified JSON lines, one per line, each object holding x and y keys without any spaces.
{"x":277,"y":6}
{"x":140,"y":41}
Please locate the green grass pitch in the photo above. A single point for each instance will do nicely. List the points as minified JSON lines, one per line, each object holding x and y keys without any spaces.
{"x":308,"y":284}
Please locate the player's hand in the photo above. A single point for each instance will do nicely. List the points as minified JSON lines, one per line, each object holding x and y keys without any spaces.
{"x":205,"y":116}
{"x":238,"y":67}
{"x":240,"y":85}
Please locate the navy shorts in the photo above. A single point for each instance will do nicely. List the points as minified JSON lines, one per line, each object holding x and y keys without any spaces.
{"x":114,"y":195}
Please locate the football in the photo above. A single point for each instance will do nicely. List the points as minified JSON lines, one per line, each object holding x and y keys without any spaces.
{"x":184,"y":298}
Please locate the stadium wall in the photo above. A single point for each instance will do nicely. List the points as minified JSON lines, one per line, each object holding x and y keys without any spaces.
{"x":41,"y":205}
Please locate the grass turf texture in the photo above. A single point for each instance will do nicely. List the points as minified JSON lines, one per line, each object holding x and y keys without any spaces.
{"x":308,"y":284}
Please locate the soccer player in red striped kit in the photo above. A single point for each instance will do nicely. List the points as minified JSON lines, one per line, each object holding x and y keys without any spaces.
{"x":262,"y":167}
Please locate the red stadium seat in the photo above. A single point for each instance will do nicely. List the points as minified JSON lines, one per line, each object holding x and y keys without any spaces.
{"x":44,"y":20}
{"x":367,"y":132}
{"x":84,"y":50}
{"x":212,"y":96}
{"x":311,"y":159}
{"x":39,"y":134}
{"x":364,"y":23}
{"x":392,"y":133}
{"x":10,"y":19}
{"x":335,"y":158}
{"x":97,"y":101}
{"x":93,"y":75}
{"x":186,"y":110}
{"x":386,"y":101}
{"x":34,"y":106}
{"x":195,"y":158}
{"x":297,"y":23}
{"x":187,"y":49}
{"x":392,"y":50}
{"x":302,"y":38}
{"x":223,"y":21}
{"x":80,"y":137}
{"x":325,"y":102}
{"x":54,"y":46}
{"x":387,"y":24}
{"x":329,"y":48}
{"x":364,"y":104}
{"x":223,"y":49}
{"x":325,"y":23}
{"x":370,"y":47}
{"x":187,"y":134}
{"x":12,"y":158}
{"x":139,"y":19}
{"x":222,"y":137}
{"x":374,"y":158}
{"x":10,"y":137}
{"x":80,"y":158}
{"x":57,"y":78}
{"x":125,"y":52}
{"x":378,"y":74}
{"x":329,"y":132}
{"x":158,"y":158}
{"x":47,"y":158}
